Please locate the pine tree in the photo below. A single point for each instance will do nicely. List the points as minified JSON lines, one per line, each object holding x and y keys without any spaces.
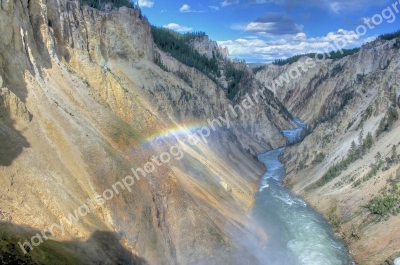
{"x":369,"y":141}
{"x":394,"y":154}
{"x":361,"y":142}
{"x":360,"y":137}
{"x":352,"y":151}
{"x":382,"y":124}
{"x":392,"y":117}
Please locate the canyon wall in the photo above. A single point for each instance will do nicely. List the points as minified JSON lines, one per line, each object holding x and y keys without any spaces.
{"x":81,"y":105}
{"x":339,"y":100}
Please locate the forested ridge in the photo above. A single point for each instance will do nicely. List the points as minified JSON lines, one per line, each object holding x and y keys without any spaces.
{"x":117,"y":3}
{"x":178,"y":46}
{"x":390,"y":36}
{"x":234,"y":76}
{"x":334,"y":55}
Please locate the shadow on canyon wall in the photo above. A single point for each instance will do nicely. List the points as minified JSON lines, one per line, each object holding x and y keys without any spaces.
{"x":102,"y":247}
{"x":23,"y":55}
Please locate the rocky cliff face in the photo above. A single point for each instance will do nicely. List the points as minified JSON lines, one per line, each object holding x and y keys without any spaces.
{"x":341,"y":99}
{"x":82,"y":103}
{"x":307,"y":86}
{"x":207,"y":47}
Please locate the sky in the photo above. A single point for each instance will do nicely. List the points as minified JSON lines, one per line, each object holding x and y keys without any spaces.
{"x":261,"y":31}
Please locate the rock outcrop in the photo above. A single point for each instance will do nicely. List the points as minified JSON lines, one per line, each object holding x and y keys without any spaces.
{"x":82,"y":103}
{"x":208,"y":47}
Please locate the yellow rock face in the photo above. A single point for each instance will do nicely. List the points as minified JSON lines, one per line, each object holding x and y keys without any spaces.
{"x":82,"y":103}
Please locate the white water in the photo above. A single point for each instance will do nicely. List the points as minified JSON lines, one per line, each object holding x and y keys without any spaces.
{"x":293,"y":135}
{"x":297,"y":234}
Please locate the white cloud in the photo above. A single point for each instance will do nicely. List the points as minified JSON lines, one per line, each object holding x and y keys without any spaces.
{"x":185,"y":8}
{"x":271,"y":24}
{"x":255,"y":49}
{"x":146,"y":3}
{"x":216,"y":8}
{"x":164,"y":10}
{"x":272,"y":28}
{"x":300,"y":37}
{"x":229,"y":2}
{"x":177,"y":27}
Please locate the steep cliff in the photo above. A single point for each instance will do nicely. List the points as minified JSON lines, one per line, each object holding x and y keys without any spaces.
{"x":81,"y":105}
{"x":206,"y":46}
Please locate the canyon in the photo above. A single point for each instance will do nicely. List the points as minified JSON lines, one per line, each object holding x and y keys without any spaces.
{"x":82,"y":102}
{"x":342,"y":99}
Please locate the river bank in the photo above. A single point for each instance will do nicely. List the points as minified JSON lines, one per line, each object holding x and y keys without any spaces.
{"x":297,"y":233}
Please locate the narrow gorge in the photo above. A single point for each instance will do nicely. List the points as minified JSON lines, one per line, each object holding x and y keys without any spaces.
{"x":221,"y":170}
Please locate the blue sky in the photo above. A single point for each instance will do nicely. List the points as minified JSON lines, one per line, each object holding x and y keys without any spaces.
{"x":265,"y":30}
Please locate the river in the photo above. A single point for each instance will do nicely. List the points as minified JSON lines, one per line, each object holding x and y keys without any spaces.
{"x":297,"y":234}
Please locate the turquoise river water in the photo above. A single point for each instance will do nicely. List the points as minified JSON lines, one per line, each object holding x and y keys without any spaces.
{"x":297,"y":234}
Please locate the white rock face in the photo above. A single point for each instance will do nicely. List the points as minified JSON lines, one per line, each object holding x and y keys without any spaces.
{"x":206,"y":46}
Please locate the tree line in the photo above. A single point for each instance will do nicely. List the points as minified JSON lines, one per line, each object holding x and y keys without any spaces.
{"x":356,"y":152}
{"x":338,"y":54}
{"x":178,"y":46}
{"x":334,"y":55}
{"x":390,"y":36}
{"x":234,"y":76}
{"x":387,"y":202}
{"x":116,"y":3}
